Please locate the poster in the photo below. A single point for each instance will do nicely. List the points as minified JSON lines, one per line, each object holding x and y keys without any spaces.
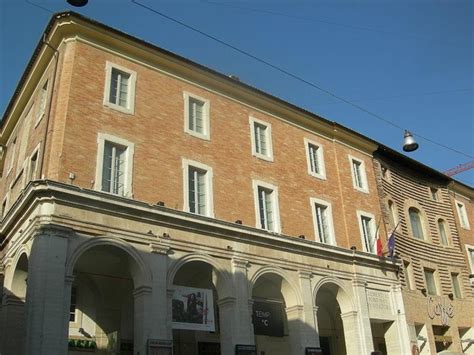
{"x":193,"y":308}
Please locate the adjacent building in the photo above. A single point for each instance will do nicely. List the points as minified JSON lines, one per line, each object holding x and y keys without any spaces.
{"x":151,"y":205}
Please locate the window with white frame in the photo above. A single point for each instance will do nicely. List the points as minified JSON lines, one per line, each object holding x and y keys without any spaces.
{"x":120,"y":88}
{"x":315,"y":159}
{"x":323,"y":223}
{"x":198,"y":188}
{"x":461,"y":208}
{"x":266,"y":206}
{"x":43,"y":96}
{"x":196,"y":115}
{"x":115,"y":165}
{"x":261,"y":137}
{"x":456,"y":284}
{"x":416,"y":223}
{"x":470,"y":256}
{"x":33,"y":166}
{"x":443,"y":236}
{"x":367,"y":231}
{"x":430,"y":282}
{"x":359,"y":177}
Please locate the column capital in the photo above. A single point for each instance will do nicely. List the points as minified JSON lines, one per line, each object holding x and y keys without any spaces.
{"x":240,"y":263}
{"x":55,"y":230}
{"x":141,"y":291}
{"x":350,"y":314}
{"x":159,"y":248}
{"x":69,"y":279}
{"x":226,"y":302}
{"x":357,"y":282}
{"x":305,"y":274}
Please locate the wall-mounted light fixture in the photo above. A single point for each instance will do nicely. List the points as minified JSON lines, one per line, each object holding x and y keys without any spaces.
{"x":77,"y":3}
{"x":239,"y":221}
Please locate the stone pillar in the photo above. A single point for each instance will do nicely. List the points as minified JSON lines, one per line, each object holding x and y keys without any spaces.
{"x":46,"y":293}
{"x":397,"y":337}
{"x":309,"y":322}
{"x":243,"y":326}
{"x":142,"y":318}
{"x":353,"y":341}
{"x":227,"y":317}
{"x":363,"y":324}
{"x":13,"y":339}
{"x":161,"y":302}
{"x":294,"y":315}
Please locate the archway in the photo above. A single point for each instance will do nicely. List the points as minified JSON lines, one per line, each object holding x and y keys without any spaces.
{"x":14,"y":308}
{"x":330,"y":326}
{"x":199,"y":284}
{"x":107,"y":298}
{"x":276,"y":313}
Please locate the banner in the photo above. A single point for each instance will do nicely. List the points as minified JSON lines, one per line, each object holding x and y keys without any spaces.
{"x":268,"y":318}
{"x":193,"y":309}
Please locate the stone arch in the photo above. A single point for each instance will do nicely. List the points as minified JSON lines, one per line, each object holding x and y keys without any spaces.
{"x":10,"y":272}
{"x":224,"y":285}
{"x":343,"y":296}
{"x":139,"y":269}
{"x":290,"y":290}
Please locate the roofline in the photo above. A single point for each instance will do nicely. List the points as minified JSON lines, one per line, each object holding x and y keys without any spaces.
{"x":382,"y":149}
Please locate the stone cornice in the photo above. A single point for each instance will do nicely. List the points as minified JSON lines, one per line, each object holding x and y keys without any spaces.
{"x":44,"y":192}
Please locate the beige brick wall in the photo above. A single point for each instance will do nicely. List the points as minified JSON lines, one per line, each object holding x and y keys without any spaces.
{"x":157,"y":130}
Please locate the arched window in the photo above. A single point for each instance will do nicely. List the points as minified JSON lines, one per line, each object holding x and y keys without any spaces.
{"x":415,"y":221}
{"x":443,"y":237}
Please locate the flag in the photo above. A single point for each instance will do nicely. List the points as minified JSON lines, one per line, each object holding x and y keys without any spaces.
{"x":391,"y":246}
{"x":379,"y":246}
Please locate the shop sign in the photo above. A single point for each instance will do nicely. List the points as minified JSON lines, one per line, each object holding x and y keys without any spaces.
{"x":268,"y":318}
{"x":245,"y":350}
{"x":193,"y":309}
{"x":313,"y":351}
{"x":440,"y":308}
{"x":160,"y":347}
{"x":443,"y":338}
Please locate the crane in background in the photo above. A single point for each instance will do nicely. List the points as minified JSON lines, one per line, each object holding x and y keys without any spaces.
{"x":460,"y":168}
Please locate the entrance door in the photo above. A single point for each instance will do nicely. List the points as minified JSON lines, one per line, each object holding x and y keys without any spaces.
{"x":209,"y":349}
{"x":324,"y":345}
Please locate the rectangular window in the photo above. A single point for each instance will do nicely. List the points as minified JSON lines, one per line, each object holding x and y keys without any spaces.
{"x":120,"y":88}
{"x":442,"y":232}
{"x":315,"y":159}
{"x":408,"y":275}
{"x":462,"y":215}
{"x":11,"y":156}
{"x":470,"y":255}
{"x":434,"y":193}
{"x":323,"y":223}
{"x":359,"y":177}
{"x":430,"y":282}
{"x":196,"y":112}
{"x":261,"y":138}
{"x":456,"y":285}
{"x":266,"y":203}
{"x":43,"y":96}
{"x":33,"y":166}
{"x":198,"y":188}
{"x":367,"y":230}
{"x":115,"y":164}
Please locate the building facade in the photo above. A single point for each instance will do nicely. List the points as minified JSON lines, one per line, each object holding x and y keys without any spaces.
{"x":430,"y":215}
{"x":150,"y":203}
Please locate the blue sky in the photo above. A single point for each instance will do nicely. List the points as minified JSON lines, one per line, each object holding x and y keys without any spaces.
{"x":410,"y":62}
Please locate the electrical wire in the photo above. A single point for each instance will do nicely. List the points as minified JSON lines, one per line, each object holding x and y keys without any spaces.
{"x":39,"y":6}
{"x":294,"y":76}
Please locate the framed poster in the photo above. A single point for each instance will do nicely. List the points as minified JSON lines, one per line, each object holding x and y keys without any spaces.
{"x":193,"y":308}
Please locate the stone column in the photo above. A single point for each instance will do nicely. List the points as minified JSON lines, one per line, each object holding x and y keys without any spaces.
{"x":397,"y":337}
{"x":161,"y":302}
{"x":227,"y":317}
{"x":142,"y":321}
{"x":309,"y":322}
{"x":352,"y":338}
{"x":363,"y":324}
{"x":243,"y":327}
{"x":46,"y":293}
{"x":294,"y":315}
